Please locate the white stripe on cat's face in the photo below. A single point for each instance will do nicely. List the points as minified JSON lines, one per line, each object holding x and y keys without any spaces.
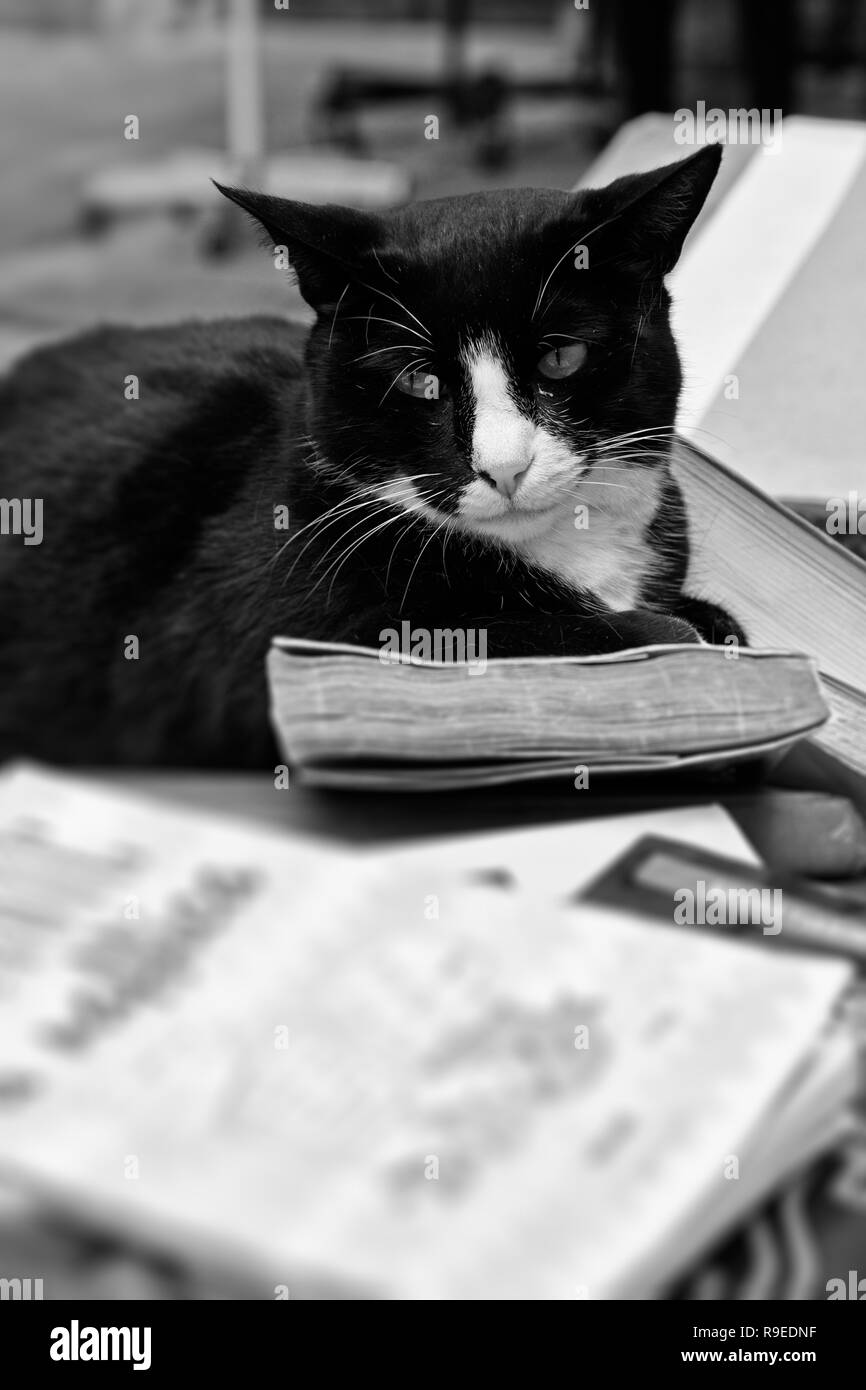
{"x":524,"y":472}
{"x":538,"y":492}
{"x":501,"y":436}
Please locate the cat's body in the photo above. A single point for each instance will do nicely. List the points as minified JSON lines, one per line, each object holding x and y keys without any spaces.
{"x":481,"y":492}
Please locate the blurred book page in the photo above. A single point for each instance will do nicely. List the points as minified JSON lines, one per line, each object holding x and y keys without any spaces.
{"x":417,"y":1086}
{"x":779,"y":402}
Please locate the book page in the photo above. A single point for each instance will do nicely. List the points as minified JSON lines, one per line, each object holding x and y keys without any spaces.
{"x":106,"y":905}
{"x":405,"y":1084}
{"x":788,"y":584}
{"x":768,"y":304}
{"x":768,"y":293}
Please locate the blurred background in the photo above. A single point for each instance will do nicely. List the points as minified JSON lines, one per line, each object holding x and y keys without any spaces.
{"x":116,"y":114}
{"x":368,"y":102}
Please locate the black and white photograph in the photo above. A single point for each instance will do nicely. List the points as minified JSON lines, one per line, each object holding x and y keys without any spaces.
{"x":433,"y":668}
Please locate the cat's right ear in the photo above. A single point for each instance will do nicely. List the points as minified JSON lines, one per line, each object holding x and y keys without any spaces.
{"x":329,"y":247}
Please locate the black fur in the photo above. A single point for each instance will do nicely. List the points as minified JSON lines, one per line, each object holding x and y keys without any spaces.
{"x":159,"y":513}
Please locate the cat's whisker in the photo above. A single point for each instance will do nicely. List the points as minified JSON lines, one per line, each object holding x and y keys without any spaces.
{"x":636,"y":449}
{"x":402,"y":372}
{"x":539,"y":297}
{"x":328,"y":519}
{"x":661,"y":432}
{"x":400,"y":306}
{"x":375,"y":318}
{"x":708,"y":434}
{"x":336,"y":476}
{"x":648,"y":442}
{"x":362,"y":521}
{"x":596,"y":482}
{"x":341,"y":560}
{"x":658,"y":428}
{"x":621,"y":462}
{"x":346,"y":555}
{"x":547,"y":341}
{"x":391,"y":277}
{"x":449,"y":531}
{"x":430,"y":499}
{"x":368,"y":496}
{"x":320,"y":517}
{"x":377,"y":352}
{"x":352,"y":547}
{"x":433,"y":534}
{"x":640,"y":324}
{"x":317,"y":531}
{"x":637,"y":457}
{"x":584,"y":236}
{"x":352,"y":502}
{"x":631,"y":460}
{"x":339,"y":512}
{"x":336,"y":312}
{"x":414,"y":518}
{"x":349,"y":497}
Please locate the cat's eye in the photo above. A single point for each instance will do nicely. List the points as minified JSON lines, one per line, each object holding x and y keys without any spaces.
{"x":424,"y":386}
{"x":563,"y":361}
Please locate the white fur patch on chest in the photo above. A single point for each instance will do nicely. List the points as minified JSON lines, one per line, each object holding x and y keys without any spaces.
{"x":600,"y":545}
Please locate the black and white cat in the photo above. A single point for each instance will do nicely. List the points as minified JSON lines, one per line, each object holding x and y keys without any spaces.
{"x":474,"y":433}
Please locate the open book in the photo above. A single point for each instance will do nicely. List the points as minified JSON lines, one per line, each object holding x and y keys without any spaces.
{"x":769,"y":300}
{"x":338,"y":1075}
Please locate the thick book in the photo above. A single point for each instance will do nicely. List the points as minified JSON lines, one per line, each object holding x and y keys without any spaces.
{"x":354,"y":716}
{"x":788,"y":583}
{"x":319,"y":1073}
{"x":364,"y":717}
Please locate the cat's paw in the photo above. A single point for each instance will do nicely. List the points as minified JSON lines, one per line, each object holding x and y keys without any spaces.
{"x":643,"y":628}
{"x":714,"y":624}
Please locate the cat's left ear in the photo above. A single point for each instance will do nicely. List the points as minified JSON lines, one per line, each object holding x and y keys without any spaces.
{"x":645,"y":217}
{"x":328,"y":246}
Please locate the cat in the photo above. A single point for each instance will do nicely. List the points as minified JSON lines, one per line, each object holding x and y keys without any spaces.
{"x":473,"y":434}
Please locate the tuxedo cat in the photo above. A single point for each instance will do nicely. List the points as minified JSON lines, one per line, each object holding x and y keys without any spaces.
{"x":474,"y":433}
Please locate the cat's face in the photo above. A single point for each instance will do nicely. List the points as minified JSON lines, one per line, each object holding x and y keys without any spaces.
{"x":497,"y":360}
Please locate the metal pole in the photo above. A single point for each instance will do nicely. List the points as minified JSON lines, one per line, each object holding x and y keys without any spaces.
{"x":244,"y":105}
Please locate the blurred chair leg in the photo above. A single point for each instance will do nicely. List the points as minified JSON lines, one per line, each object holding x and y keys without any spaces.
{"x":644,"y":41}
{"x":768,"y":34}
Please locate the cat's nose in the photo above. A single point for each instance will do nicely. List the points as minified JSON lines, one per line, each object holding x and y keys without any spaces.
{"x":501,"y":442}
{"x":505,"y":477}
